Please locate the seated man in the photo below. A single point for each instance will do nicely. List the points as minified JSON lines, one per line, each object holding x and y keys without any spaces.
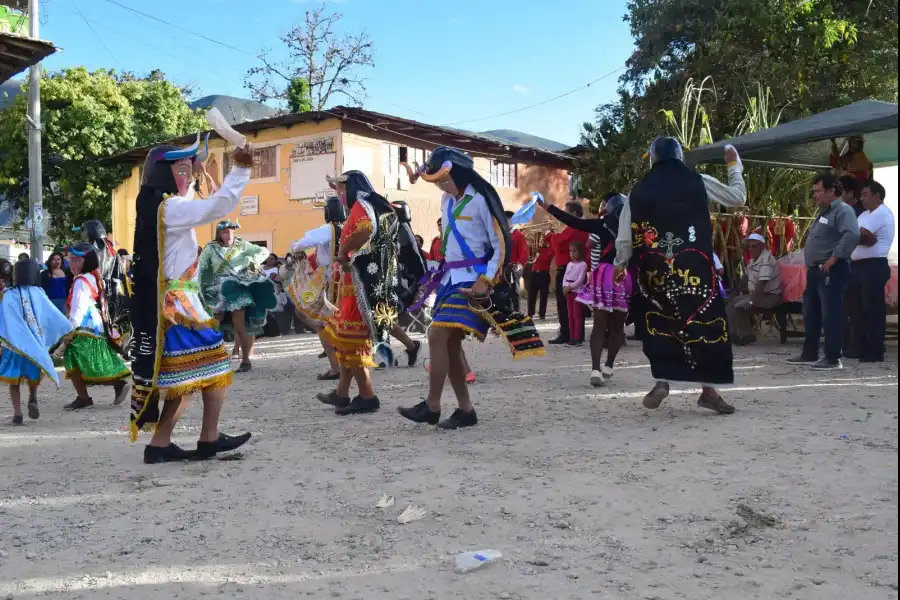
{"x":760,"y":287}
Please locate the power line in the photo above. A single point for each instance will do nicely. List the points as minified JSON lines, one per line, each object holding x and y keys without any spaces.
{"x":158,"y":49}
{"x":168,"y":24}
{"x":99,"y":39}
{"x":543,"y":102}
{"x":215,"y":41}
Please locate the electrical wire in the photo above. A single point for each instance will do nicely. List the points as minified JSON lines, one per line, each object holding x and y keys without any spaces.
{"x":168,"y":24}
{"x":158,"y":49}
{"x":462,"y":122}
{"x":543,"y":102}
{"x":99,"y":39}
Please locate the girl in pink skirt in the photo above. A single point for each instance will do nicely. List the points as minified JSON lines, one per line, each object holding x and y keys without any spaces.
{"x":607,"y":300}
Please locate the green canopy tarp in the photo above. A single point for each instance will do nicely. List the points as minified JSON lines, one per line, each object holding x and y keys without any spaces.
{"x":807,"y":142}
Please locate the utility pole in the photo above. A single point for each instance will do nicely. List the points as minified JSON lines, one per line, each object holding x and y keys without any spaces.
{"x":33,"y":125}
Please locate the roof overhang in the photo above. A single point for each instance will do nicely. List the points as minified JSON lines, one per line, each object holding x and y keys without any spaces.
{"x":17,"y":53}
{"x":372,"y":124}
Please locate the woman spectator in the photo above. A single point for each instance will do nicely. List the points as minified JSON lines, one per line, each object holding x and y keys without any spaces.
{"x":270,"y":266}
{"x":56,"y":281}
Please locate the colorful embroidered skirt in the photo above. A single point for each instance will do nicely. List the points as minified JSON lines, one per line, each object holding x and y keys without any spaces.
{"x":16,"y":369}
{"x":307,"y":292}
{"x":254,"y":294}
{"x":602,"y":292}
{"x":193,"y":359}
{"x":94,"y":359}
{"x":347,"y":331}
{"x":452,"y":311}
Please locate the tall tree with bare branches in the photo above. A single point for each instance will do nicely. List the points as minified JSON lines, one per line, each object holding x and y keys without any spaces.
{"x":320,"y":59}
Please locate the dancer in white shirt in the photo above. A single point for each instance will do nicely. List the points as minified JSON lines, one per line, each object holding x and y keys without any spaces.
{"x":313,"y":293}
{"x":178,"y":348}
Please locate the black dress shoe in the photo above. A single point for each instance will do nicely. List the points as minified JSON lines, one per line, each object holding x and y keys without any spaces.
{"x":79,"y":403}
{"x":458,"y":420}
{"x":227,"y":443}
{"x":559,"y":341}
{"x":154,"y":455}
{"x":245,"y":367}
{"x":359,"y":405}
{"x":206,"y":450}
{"x":420,"y":413}
{"x":332,"y":399}
{"x":871,"y":359}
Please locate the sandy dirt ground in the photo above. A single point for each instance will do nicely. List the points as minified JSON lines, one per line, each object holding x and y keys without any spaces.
{"x":586,"y":493}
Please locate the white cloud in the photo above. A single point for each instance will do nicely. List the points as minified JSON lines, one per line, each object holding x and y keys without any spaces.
{"x":520,"y":89}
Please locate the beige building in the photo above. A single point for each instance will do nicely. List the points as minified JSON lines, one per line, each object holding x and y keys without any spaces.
{"x":294,"y":153}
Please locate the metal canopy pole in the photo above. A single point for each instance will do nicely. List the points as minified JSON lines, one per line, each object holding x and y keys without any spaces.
{"x":33,"y":125}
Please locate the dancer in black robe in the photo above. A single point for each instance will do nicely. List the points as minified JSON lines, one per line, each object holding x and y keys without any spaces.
{"x":665,"y":236}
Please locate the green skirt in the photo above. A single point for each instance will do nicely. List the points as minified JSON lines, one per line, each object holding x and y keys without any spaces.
{"x":94,"y":360}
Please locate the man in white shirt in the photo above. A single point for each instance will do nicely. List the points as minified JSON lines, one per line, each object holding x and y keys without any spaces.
{"x":867,"y":312}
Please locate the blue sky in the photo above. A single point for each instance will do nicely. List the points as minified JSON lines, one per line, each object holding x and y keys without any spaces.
{"x":438,"y":62}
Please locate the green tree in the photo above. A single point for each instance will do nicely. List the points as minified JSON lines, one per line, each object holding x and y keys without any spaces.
{"x":811,"y":55}
{"x":612,"y":159}
{"x":96,"y":115}
{"x":160,"y":108}
{"x":298,"y":99}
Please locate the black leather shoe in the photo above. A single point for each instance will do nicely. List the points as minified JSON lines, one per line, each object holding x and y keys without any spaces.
{"x":206,"y":450}
{"x":79,"y":403}
{"x":227,"y":443}
{"x":332,"y":399}
{"x":420,"y":413}
{"x":359,"y":405}
{"x":458,"y":420}
{"x":154,"y":455}
{"x":559,"y":341}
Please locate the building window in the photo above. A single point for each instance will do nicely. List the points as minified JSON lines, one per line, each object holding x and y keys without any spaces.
{"x":265,"y":163}
{"x":395,"y":177}
{"x":503,"y":174}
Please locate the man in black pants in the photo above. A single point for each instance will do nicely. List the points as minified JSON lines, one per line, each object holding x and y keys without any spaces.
{"x":870,"y":272}
{"x":560,"y":242}
{"x":539,"y":281}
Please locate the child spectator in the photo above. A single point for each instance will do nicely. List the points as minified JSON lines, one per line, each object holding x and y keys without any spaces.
{"x":573,"y":282}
